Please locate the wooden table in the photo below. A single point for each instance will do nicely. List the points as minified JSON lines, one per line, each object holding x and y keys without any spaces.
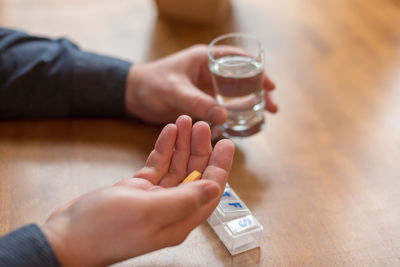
{"x":323,"y":177}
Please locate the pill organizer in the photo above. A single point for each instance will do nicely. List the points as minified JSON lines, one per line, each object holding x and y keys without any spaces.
{"x":234,"y":224}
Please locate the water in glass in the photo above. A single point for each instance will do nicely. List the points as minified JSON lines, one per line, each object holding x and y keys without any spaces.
{"x":238,"y":85}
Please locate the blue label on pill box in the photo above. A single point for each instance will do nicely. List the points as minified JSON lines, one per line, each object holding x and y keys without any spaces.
{"x":234,"y":205}
{"x":242,"y":224}
{"x":228,"y":195}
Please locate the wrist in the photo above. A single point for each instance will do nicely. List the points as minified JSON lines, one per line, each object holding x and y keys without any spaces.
{"x":62,"y":245}
{"x":133,"y":82}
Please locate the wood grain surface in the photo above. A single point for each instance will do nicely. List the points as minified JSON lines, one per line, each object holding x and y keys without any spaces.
{"x":323,"y":177}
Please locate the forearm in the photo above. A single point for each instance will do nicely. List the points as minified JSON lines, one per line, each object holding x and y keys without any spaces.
{"x":43,"y":78}
{"x":26,"y":246}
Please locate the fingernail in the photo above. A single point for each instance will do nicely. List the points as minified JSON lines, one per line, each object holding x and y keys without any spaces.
{"x":217,"y":115}
{"x":211,"y":190}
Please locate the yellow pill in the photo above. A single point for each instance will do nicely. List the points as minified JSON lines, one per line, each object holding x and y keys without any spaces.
{"x":193,"y":176}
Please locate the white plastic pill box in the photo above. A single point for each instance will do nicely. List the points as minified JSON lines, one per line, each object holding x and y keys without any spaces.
{"x":234,"y":224}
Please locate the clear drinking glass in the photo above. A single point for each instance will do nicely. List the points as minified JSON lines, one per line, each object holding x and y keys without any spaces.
{"x":237,"y":67}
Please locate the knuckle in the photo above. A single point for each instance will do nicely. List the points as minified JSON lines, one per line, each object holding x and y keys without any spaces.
{"x":196,"y":101}
{"x":198,"y":51}
{"x":199,"y":106}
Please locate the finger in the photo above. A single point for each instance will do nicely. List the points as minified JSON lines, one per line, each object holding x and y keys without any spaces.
{"x":200,"y":147}
{"x":268,"y":84}
{"x":158,"y":162}
{"x":269,"y":104}
{"x":216,"y":133}
{"x":197,"y":104}
{"x":199,"y":62}
{"x":217,"y":171}
{"x":179,"y":203}
{"x":220,"y":162}
{"x":178,"y":167}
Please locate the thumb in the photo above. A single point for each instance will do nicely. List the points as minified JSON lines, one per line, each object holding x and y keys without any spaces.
{"x":199,"y":105}
{"x":178,"y":203}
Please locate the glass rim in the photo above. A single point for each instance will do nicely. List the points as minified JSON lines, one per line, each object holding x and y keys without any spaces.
{"x":234,"y":34}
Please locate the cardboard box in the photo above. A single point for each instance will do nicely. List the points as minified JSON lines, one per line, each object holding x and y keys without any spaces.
{"x":195,"y":11}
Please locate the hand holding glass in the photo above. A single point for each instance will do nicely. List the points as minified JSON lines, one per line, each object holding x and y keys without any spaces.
{"x":237,"y":68}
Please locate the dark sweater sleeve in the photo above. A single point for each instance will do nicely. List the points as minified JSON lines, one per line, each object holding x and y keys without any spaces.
{"x":28,"y":247}
{"x":43,"y":78}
